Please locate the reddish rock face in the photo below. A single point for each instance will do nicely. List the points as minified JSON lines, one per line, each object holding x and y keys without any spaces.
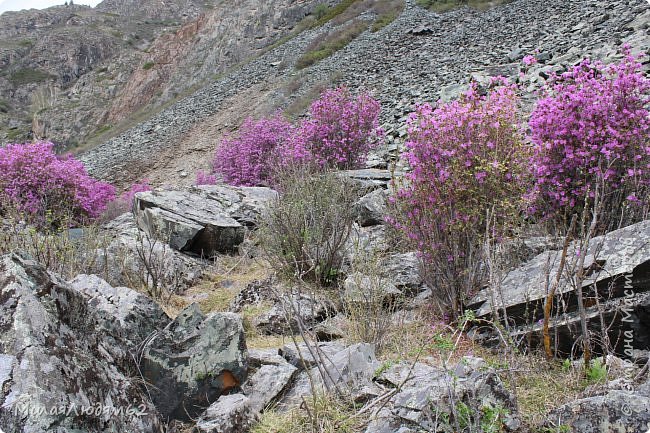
{"x":217,"y":40}
{"x":165,"y":56}
{"x":69,"y":73}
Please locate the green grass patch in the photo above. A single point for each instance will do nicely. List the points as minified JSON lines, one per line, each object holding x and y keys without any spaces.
{"x":28,"y":75}
{"x":322,"y":48}
{"x":4,"y":106}
{"x":148,"y":66}
{"x":328,"y":13}
{"x":15,"y":133}
{"x":104,"y":128}
{"x":448,"y":5}
{"x":383,"y":20}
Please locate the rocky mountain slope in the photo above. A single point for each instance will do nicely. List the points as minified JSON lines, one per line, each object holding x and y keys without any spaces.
{"x":72,"y":73}
{"x":419,"y":57}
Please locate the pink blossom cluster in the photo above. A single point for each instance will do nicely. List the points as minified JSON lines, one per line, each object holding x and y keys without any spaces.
{"x":128,"y":195}
{"x":529,"y":60}
{"x":248,"y":158}
{"x":591,"y":130}
{"x":338,"y":133}
{"x":341,"y":129}
{"x":467,"y":156}
{"x":35,"y":180}
{"x":205,"y":178}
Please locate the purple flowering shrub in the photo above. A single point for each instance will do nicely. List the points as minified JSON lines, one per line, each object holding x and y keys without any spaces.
{"x":341,"y":129}
{"x":205,"y":178}
{"x":339,"y":132}
{"x":128,"y":195}
{"x":37,"y":182}
{"x":247,"y":159}
{"x":124,"y":202}
{"x":468,"y":161}
{"x":591,"y":138}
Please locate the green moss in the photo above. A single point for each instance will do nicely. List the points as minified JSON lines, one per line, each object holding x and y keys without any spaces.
{"x":27,"y":76}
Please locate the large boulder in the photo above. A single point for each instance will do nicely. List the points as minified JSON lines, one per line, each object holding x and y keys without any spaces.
{"x":230,"y":414}
{"x":371,"y":209}
{"x":348,"y":371}
{"x":57,"y":371}
{"x":267,"y":383}
{"x":617,"y":269}
{"x":193,"y":361}
{"x":126,"y":318}
{"x":203,"y":220}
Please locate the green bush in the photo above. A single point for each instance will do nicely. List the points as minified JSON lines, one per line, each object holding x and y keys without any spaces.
{"x":321,"y":11}
{"x":305,"y":231}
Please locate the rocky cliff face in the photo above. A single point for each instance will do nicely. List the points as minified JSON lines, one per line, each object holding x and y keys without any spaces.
{"x":205,"y":48}
{"x":71,"y":73}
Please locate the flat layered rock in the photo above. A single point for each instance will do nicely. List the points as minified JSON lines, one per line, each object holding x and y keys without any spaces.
{"x":204,"y":220}
{"x":616,"y":287}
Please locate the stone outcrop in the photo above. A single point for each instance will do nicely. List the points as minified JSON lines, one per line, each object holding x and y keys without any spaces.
{"x":432,"y":399}
{"x":203,"y":220}
{"x":371,"y":209}
{"x":193,"y":361}
{"x":617,"y":273}
{"x":267,"y":383}
{"x":133,"y":258}
{"x":347,"y":371}
{"x":59,"y":350}
{"x":230,"y":414}
{"x":126,"y":318}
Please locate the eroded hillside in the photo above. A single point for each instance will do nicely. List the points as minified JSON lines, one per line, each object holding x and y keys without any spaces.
{"x":420,"y":56}
{"x":72,"y":74}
